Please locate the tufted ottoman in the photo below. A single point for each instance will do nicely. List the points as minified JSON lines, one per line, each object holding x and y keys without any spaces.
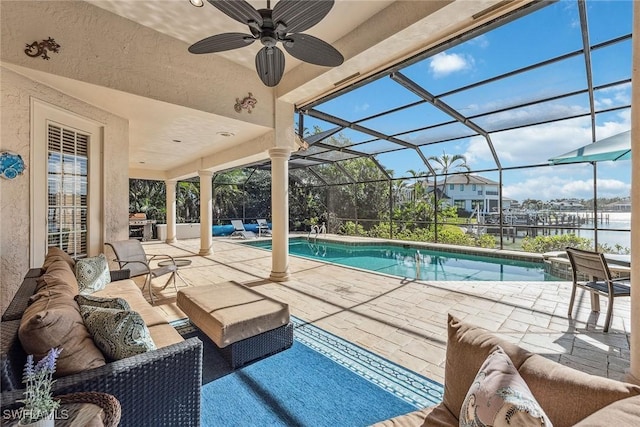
{"x":243,"y":323}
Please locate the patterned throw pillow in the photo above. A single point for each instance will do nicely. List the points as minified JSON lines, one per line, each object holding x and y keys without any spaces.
{"x":117,"y":333}
{"x":92,"y":274}
{"x":117,"y":303}
{"x":500,"y":397}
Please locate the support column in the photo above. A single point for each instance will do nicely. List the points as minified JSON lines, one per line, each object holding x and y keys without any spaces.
{"x":280,"y":214}
{"x":634,"y":370}
{"x":171,"y":210}
{"x":206,"y":212}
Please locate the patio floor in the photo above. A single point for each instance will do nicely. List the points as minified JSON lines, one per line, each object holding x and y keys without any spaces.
{"x":405,"y":320}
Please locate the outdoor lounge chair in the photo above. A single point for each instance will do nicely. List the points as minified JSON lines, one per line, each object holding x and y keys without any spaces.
{"x":130,"y":255}
{"x":263,"y":227}
{"x":593,"y":265}
{"x":240,"y":231}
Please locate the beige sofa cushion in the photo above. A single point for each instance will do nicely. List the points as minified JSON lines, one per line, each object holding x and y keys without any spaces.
{"x":53,"y":320}
{"x":625,"y":412}
{"x":440,"y":416}
{"x":568,"y":395}
{"x":58,"y":279}
{"x":412,"y":419}
{"x":54,"y":254}
{"x":467,"y":348}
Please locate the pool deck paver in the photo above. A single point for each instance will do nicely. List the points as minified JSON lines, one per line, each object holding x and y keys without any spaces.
{"x":404,"y":320}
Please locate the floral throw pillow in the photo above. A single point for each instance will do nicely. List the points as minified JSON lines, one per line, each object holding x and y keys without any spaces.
{"x":500,"y":397}
{"x":92,"y":274}
{"x":117,"y":333}
{"x":117,"y":303}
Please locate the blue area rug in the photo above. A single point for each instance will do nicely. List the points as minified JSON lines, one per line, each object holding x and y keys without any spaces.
{"x":322,"y":380}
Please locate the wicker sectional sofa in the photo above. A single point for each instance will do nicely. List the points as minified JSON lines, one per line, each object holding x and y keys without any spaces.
{"x":158,"y":387}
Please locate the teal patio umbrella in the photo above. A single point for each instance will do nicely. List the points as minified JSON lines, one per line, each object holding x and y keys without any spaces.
{"x":616,"y":147}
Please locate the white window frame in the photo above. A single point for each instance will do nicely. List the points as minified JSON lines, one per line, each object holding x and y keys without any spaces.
{"x":43,"y":113}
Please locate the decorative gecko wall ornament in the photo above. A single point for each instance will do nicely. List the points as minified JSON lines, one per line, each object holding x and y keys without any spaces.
{"x":41,"y":48}
{"x":247,"y":103}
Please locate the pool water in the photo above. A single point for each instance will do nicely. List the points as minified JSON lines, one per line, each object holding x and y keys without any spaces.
{"x":403,"y":262}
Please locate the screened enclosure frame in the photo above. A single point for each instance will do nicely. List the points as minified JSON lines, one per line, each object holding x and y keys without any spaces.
{"x":322,"y":151}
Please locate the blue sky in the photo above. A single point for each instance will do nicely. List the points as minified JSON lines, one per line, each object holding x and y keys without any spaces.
{"x":547,"y":33}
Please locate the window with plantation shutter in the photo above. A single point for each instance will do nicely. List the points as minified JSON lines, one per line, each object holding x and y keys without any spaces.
{"x":67,"y":184}
{"x":66,"y":169}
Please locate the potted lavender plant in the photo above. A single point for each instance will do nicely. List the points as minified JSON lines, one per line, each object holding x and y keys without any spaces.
{"x":39,"y":405}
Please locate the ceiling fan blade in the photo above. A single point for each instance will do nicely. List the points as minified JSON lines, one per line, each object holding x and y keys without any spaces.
{"x":270,"y":65}
{"x":300,"y":15}
{"x":313,"y":50}
{"x":239,"y":10}
{"x":221,"y":42}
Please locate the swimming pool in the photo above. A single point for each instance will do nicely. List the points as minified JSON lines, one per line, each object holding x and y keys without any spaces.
{"x":402,"y":261}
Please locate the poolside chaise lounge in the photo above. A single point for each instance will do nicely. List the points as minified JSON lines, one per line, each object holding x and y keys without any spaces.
{"x":263,"y":227}
{"x":567,"y":396}
{"x":240,"y":231}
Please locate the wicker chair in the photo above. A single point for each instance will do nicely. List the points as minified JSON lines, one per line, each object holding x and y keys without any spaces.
{"x":593,"y":265}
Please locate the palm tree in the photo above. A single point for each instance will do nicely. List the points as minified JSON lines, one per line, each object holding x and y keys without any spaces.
{"x":147,"y":197}
{"x":448,"y":164}
{"x":415,"y":174}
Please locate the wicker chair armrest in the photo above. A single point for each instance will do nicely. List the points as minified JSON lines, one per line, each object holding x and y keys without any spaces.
{"x":120,"y":274}
{"x":159,"y":387}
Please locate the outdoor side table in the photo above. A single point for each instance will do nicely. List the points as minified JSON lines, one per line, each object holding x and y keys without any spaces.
{"x":263,"y":229}
{"x":180,"y":262}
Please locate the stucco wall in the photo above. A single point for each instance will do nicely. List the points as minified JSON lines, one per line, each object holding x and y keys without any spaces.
{"x":16,"y":93}
{"x":105,"y":49}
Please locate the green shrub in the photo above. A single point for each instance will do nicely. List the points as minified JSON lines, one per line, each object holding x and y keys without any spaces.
{"x":350,"y":228}
{"x":453,"y":235}
{"x":541,"y":244}
{"x":617,"y":249}
{"x":486,"y":241}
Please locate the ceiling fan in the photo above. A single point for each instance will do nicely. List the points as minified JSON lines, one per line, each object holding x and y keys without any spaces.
{"x":282,"y":24}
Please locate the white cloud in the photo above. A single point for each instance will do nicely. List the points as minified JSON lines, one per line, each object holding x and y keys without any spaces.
{"x":617,"y":95}
{"x":362,"y":107}
{"x":444,"y":63}
{"x":482,"y":41}
{"x":537,"y":144}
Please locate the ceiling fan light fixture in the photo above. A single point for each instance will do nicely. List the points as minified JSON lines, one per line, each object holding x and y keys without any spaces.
{"x":197,"y":3}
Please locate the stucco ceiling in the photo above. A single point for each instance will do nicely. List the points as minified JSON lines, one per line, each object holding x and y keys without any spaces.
{"x":178,"y":19}
{"x":370,"y":34}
